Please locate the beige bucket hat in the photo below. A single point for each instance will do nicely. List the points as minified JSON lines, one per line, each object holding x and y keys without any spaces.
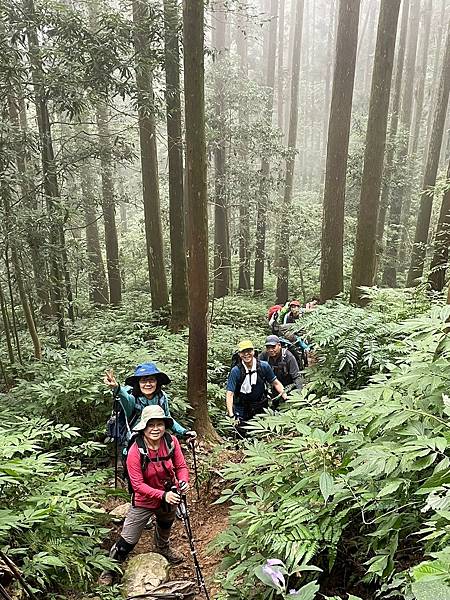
{"x":152,"y":412}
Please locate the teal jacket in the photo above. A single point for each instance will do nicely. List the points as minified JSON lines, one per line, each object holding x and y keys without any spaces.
{"x":133,"y":407}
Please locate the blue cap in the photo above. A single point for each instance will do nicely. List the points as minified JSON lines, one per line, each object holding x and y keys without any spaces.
{"x":146,"y":369}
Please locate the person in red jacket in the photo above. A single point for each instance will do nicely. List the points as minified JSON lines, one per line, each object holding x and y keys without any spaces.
{"x":155,"y":465}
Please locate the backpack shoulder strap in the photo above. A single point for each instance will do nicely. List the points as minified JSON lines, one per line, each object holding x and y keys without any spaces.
{"x":143,"y":452}
{"x":168,"y":438}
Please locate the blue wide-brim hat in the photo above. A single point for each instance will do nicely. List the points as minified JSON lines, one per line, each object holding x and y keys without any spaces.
{"x":147,"y":369}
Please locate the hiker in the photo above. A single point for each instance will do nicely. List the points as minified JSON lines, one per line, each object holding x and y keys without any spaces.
{"x":293,"y":314}
{"x":283,"y":362}
{"x":156,"y":467}
{"x":246,"y":386}
{"x":144,"y":388}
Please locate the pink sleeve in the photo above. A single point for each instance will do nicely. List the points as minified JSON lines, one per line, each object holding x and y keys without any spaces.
{"x":137,"y":477}
{"x":181,"y":470}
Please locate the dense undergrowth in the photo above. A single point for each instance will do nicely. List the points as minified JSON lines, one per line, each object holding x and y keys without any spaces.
{"x":353,"y":476}
{"x":347,"y":486}
{"x":52,"y":455}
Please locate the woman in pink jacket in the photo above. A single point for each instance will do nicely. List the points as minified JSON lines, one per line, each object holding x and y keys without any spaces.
{"x":155,"y":465}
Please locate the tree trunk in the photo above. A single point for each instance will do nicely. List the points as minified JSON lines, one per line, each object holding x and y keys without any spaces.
{"x":149,"y":157}
{"x":402,"y":190}
{"x":260,"y":247}
{"x":389,"y":161}
{"x":328,"y":75}
{"x":180,"y":304}
{"x":331,"y":266}
{"x":98,"y":286}
{"x":35,"y":240}
{"x":438,"y":267}
{"x":244,"y":217}
{"x":193,"y":18}
{"x":283,"y":261}
{"x":365,"y":244}
{"x":435,"y":82}
{"x":108,"y":206}
{"x":6,"y":327}
{"x":49,"y":170}
{"x":429,"y":178}
{"x":280,"y":68}
{"x":221,"y":241}
{"x":422,"y":72}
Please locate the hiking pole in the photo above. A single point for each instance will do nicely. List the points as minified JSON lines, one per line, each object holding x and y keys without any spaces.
{"x":116,"y":440}
{"x":194,"y":457}
{"x":187,"y":525}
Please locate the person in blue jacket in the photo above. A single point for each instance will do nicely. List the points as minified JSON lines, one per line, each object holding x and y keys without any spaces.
{"x":144,"y":388}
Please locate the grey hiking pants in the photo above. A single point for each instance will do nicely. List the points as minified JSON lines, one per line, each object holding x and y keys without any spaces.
{"x":138,"y":517}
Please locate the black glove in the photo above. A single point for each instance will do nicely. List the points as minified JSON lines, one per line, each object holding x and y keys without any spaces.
{"x":190,"y":435}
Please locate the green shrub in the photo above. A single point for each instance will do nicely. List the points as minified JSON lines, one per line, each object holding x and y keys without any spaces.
{"x":366,"y":474}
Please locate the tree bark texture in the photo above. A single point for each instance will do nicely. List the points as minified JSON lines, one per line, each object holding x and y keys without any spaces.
{"x":283,"y":263}
{"x":180,"y":304}
{"x":222,"y":265}
{"x":389,"y":159}
{"x":365,"y":245}
{"x":331,"y":266}
{"x":429,"y":178}
{"x":422,"y":72}
{"x":260,"y":247}
{"x":149,"y":157}
{"x":403,"y":190}
{"x":244,"y":216}
{"x":438,"y":267}
{"x":50,"y":182}
{"x":35,"y":237}
{"x":98,"y":285}
{"x":193,"y":18}
{"x":280,"y":68}
{"x":108,"y":206}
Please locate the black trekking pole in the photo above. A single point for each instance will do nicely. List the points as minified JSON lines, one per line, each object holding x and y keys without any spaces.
{"x":194,"y":457}
{"x":187,"y":525}
{"x":116,"y":436}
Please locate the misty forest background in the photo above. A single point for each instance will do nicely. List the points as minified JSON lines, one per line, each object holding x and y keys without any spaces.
{"x":167,"y":173}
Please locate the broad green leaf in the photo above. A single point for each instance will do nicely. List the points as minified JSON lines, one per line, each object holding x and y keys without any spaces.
{"x":430,"y":590}
{"x":326,"y":484}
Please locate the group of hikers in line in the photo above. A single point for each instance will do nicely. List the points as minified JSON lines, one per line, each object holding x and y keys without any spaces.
{"x":153,"y":459}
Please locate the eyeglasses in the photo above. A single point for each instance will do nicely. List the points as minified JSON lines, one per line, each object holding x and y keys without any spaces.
{"x":271,"y":347}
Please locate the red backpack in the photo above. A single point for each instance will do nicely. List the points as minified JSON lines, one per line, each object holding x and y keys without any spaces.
{"x":273,"y":309}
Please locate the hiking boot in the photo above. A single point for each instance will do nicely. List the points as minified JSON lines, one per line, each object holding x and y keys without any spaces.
{"x":175,"y":558}
{"x":106,"y":578}
{"x":161,"y":539}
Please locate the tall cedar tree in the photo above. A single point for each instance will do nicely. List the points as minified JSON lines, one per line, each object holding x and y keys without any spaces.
{"x":34,"y":235}
{"x":49,"y":170}
{"x":6,"y":192}
{"x":180,"y":304}
{"x":244,"y":215}
{"x":422,"y":74}
{"x":283,"y":264}
{"x":429,"y":178}
{"x":331,"y":267}
{"x":108,"y":206}
{"x":222,"y":274}
{"x":263,"y":198}
{"x":401,"y":191}
{"x":98,"y":286}
{"x":439,"y":262}
{"x":149,"y":157}
{"x":393,"y":127}
{"x":194,"y":94}
{"x":364,"y":258}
